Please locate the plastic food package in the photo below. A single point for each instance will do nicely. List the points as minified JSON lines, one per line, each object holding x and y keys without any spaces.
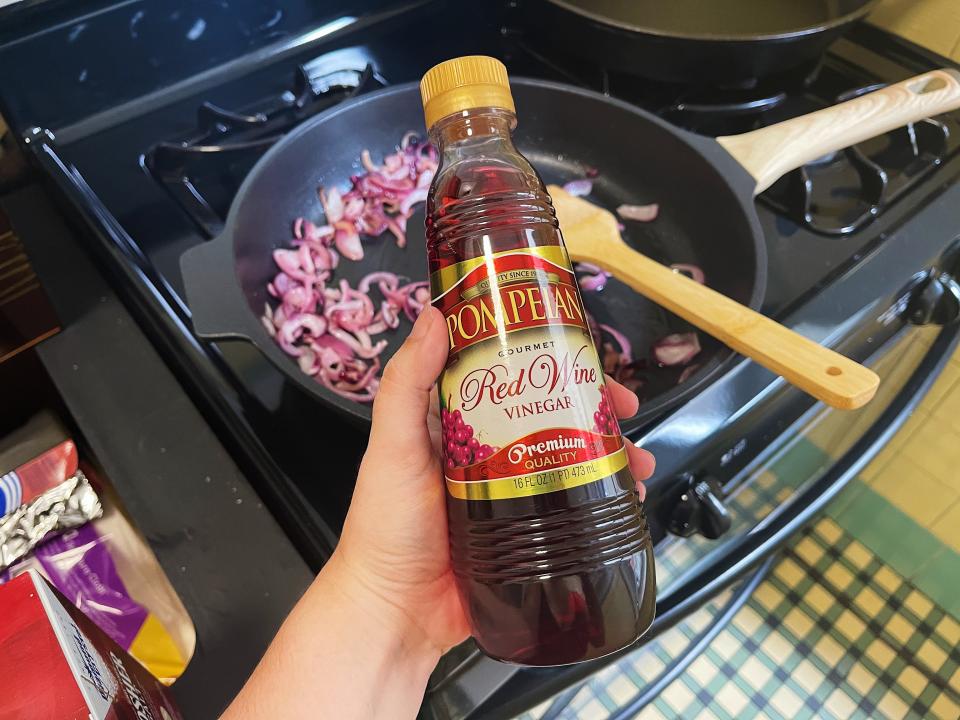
{"x":25,"y":483}
{"x":41,"y":496}
{"x":106,"y":570}
{"x":59,"y":664}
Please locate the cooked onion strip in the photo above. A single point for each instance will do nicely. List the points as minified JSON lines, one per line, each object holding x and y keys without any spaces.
{"x":328,"y":326}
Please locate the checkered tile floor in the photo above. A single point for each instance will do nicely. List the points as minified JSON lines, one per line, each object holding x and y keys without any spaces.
{"x":832,"y":633}
{"x":753,"y":500}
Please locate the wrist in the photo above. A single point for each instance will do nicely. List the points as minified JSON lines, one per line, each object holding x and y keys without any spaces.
{"x":382,"y":620}
{"x":342,"y":647}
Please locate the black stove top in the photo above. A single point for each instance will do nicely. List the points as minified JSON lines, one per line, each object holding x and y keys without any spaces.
{"x":164,"y":168}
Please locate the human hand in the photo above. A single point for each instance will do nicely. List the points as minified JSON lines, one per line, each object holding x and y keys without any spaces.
{"x":363,"y":640}
{"x":394,"y":543}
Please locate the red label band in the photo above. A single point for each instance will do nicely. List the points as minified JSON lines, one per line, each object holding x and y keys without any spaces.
{"x":523,"y":292}
{"x":520,"y":306}
{"x":506,"y":269}
{"x":525,"y":408}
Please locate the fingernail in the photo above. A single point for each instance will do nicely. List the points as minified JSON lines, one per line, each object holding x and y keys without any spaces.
{"x":423,"y":323}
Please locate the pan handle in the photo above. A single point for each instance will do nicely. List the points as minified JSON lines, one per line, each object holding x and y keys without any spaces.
{"x":770,"y":152}
{"x":217,"y":307}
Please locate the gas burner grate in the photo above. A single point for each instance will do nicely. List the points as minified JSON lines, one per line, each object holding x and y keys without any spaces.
{"x":841,"y":193}
{"x":204,"y":170}
{"x":834,"y":196}
{"x":737,"y":109}
{"x":706,"y":109}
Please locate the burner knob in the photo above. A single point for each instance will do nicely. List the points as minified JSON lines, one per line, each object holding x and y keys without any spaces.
{"x":700,"y":509}
{"x":936,"y":300}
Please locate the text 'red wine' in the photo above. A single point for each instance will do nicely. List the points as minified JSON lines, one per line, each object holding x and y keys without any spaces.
{"x":548,"y":539}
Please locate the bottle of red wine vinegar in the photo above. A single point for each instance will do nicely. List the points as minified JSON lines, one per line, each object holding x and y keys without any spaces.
{"x":548,"y":538}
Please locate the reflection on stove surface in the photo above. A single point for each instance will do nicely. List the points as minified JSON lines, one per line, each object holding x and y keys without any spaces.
{"x":835,"y":195}
{"x":204,"y":170}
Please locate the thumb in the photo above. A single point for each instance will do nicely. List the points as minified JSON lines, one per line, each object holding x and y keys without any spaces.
{"x":399,"y":428}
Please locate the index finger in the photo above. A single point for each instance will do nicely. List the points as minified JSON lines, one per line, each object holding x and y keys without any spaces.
{"x":625,"y":402}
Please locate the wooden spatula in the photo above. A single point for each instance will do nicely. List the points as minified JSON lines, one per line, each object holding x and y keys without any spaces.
{"x":592,"y":236}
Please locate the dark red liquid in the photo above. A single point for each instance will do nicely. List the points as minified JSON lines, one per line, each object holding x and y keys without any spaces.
{"x":564,"y":576}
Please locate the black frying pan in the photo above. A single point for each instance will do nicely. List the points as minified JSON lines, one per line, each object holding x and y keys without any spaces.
{"x":694,"y":41}
{"x":707,"y":216}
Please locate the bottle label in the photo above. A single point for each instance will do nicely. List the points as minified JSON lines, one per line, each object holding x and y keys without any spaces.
{"x":523,"y":403}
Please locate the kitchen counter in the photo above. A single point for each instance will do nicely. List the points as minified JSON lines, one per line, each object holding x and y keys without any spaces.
{"x":935,"y":24}
{"x":235,"y":570}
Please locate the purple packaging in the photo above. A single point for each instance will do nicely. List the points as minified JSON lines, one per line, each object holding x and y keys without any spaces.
{"x":79,"y":565}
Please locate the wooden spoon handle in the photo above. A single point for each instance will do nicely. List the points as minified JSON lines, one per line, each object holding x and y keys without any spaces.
{"x":825,"y":374}
{"x":770,"y":152}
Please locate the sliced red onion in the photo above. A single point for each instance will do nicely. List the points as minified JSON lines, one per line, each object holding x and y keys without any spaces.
{"x":292,"y":330}
{"x":408,"y":137}
{"x":579,"y":188}
{"x":347,"y":240}
{"x":353,"y":208}
{"x":677,"y":349}
{"x":332,"y":204}
{"x":590,"y":277}
{"x":626,"y":352}
{"x":367,"y":162}
{"x":398,"y":232}
{"x":308,"y":362}
{"x":289,"y":262}
{"x":691,"y":271}
{"x":308,"y":232}
{"x":687,"y":372}
{"x":392,"y":186}
{"x":281,"y":285}
{"x":640,"y":213}
{"x":325,"y":258}
{"x":330,"y":327}
{"x":380,"y":199}
{"x":367,"y":353}
{"x":330,"y":346}
{"x":386,"y":278}
{"x":417,"y":195}
{"x":306,"y":259}
{"x":594,"y":283}
{"x":300,"y":299}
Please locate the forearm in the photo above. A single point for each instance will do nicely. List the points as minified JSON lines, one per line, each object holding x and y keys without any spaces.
{"x":341,"y":653}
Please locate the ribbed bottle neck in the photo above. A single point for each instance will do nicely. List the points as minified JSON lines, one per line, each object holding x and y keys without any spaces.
{"x":485,"y":130}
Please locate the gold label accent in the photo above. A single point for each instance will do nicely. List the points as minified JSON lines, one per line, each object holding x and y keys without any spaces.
{"x":540,"y":483}
{"x":525,"y":407}
{"x":509,"y":277}
{"x":445,"y":278}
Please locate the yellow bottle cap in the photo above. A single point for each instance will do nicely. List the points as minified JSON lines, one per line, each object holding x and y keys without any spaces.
{"x":463,"y":83}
